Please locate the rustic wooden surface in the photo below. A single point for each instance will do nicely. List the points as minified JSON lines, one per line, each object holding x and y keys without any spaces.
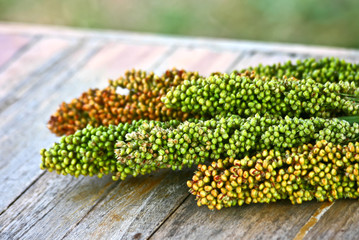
{"x":41,"y":66}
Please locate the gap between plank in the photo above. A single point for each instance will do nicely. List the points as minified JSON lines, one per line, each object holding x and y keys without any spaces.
{"x":38,"y":220}
{"x":238,"y":59}
{"x":313,"y":220}
{"x":168,"y":53}
{"x":55,"y":65}
{"x":33,"y":40}
{"x":27,"y":188}
{"x":168,"y":216}
{"x":112,"y":186}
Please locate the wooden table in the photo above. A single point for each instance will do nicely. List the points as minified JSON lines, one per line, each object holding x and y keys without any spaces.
{"x":42,"y":66}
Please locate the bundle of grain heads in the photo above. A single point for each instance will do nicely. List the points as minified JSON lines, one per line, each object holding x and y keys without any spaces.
{"x":145,"y":146}
{"x":324,"y":171}
{"x":270,"y":131}
{"x":104,"y":107}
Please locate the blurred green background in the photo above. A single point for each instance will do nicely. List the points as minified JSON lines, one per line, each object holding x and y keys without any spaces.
{"x":331,"y":22}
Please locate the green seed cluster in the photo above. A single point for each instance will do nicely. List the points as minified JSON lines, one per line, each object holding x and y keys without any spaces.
{"x":324,"y":172}
{"x":248,"y":94}
{"x":108,"y":107}
{"x":90,"y":151}
{"x":323,"y":70}
{"x":193,"y":142}
{"x":145,"y":146}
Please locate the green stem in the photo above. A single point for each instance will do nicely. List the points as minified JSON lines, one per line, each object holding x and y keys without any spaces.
{"x":350,"y":119}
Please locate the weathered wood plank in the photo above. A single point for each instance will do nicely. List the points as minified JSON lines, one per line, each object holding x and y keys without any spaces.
{"x":256,"y":221}
{"x":110,"y":62}
{"x":10,"y":44}
{"x":23,"y":126}
{"x":199,"y":59}
{"x":25,"y":71}
{"x":255,"y":58}
{"x":36,"y":107}
{"x":195,"y":42}
{"x":134,"y":207}
{"x":340,"y":221}
{"x":51,"y":193}
{"x":116,"y":58}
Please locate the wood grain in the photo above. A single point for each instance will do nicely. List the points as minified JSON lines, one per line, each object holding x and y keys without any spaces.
{"x":135,"y":207}
{"x":252,"y":59}
{"x":52,"y":205}
{"x":23,"y":126}
{"x":10,"y":45}
{"x":256,"y":221}
{"x":28,"y":68}
{"x":115,"y":58}
{"x":340,"y":221}
{"x":201,"y":60}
